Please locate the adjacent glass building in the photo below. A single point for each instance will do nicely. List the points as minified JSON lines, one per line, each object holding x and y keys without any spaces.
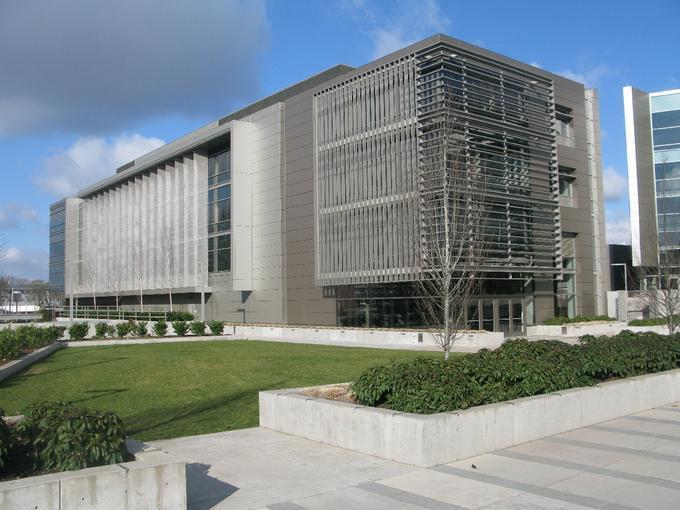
{"x":653,"y":150}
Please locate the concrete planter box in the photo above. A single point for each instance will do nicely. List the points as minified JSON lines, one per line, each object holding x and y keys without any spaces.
{"x":14,"y":366}
{"x":132,"y":485}
{"x":430,"y":440}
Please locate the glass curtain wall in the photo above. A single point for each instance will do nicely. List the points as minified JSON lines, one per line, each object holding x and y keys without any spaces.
{"x":219,"y":212}
{"x":665,"y":111}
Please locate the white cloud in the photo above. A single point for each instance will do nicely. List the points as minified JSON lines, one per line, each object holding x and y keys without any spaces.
{"x":24,"y":263}
{"x":618,"y":228}
{"x":89,"y":160}
{"x":615,"y":184}
{"x":407,"y":22}
{"x":96,"y":65}
{"x":590,"y":77}
{"x":12,"y":214}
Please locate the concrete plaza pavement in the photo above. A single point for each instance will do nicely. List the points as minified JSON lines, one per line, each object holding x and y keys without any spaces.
{"x":627,"y":463}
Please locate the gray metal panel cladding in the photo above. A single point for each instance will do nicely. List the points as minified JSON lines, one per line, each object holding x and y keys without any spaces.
{"x":372,"y":130}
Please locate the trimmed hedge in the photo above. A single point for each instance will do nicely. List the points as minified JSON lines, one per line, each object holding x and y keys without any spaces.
{"x":558,"y":321}
{"x":179,"y":316}
{"x":160,"y":328}
{"x":216,"y":327}
{"x":517,"y":369}
{"x":14,"y":341}
{"x":648,"y":322}
{"x":78,"y":330}
{"x":180,"y":327}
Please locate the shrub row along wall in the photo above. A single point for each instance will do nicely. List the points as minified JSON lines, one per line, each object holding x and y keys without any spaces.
{"x":519,"y":368}
{"x":14,"y":342}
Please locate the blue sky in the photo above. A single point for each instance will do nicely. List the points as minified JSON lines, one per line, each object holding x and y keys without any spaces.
{"x":87,"y":85}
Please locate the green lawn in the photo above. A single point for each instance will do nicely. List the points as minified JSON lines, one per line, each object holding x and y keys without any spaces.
{"x":170,"y":390}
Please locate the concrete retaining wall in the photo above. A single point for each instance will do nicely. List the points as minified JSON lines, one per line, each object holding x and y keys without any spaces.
{"x":430,"y":440}
{"x":131,"y":485}
{"x":14,"y":366}
{"x":337,"y":336}
{"x":579,"y":329}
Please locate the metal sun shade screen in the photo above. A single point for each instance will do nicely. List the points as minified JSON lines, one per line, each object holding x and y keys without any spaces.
{"x":376,"y":175}
{"x":486,"y":130}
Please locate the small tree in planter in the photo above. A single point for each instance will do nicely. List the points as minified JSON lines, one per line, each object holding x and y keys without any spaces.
{"x":78,"y":330}
{"x":140,"y":330}
{"x":216,"y":327}
{"x":102,"y":329}
{"x":160,"y":328}
{"x":180,"y":327}
{"x":198,"y":328}
{"x":123,"y":329}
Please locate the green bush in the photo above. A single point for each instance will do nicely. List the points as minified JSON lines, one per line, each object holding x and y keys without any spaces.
{"x":6,"y":441}
{"x":160,"y":328}
{"x":101,"y":330}
{"x":197,"y":328}
{"x":648,"y":322}
{"x":9,"y":345}
{"x":179,"y":316}
{"x":64,"y":437}
{"x":216,"y":327}
{"x":140,"y":330}
{"x":517,"y":369}
{"x":78,"y":330}
{"x":123,"y":329}
{"x":558,"y":321}
{"x":180,"y":327}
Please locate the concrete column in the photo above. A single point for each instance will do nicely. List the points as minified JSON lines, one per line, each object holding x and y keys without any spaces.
{"x":202,"y":305}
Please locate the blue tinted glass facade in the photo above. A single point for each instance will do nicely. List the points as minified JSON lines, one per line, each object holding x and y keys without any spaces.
{"x":665,"y":109}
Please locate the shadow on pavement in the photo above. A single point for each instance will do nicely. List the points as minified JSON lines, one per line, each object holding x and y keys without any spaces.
{"x":204,"y":491}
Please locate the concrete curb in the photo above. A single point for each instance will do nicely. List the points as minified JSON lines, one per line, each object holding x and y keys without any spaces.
{"x":14,"y":366}
{"x":431,"y":440}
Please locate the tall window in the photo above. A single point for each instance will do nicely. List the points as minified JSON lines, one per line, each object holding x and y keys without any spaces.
{"x":563,"y":121}
{"x":219,"y":212}
{"x":565,"y":289}
{"x":567,"y":183}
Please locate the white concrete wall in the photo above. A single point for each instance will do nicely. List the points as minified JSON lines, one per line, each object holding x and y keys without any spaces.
{"x":430,"y":440}
{"x":131,"y":485}
{"x":583,"y":328}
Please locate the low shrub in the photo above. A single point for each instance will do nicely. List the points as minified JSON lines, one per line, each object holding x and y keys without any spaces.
{"x":180,"y":327}
{"x":197,"y":328}
{"x":9,"y":345}
{"x":179,"y":316}
{"x":78,"y":330}
{"x":216,"y":327}
{"x":139,"y":329}
{"x":13,"y":341}
{"x":63,"y":437}
{"x":558,"y":321}
{"x":519,"y":368}
{"x":6,"y":441}
{"x":102,"y":330}
{"x":124,"y":329}
{"x":160,"y":328}
{"x":648,"y":322}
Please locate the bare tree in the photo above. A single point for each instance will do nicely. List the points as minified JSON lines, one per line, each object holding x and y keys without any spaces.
{"x":452,"y":213}
{"x":167,"y":262}
{"x":90,"y":280}
{"x":138,"y":271}
{"x":115,"y":280}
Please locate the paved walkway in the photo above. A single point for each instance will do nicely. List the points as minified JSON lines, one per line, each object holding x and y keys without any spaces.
{"x":628,"y":463}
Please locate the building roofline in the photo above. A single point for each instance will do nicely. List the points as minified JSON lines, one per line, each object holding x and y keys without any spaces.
{"x":210,"y":131}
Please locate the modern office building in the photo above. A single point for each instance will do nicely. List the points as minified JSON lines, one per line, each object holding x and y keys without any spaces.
{"x":653,"y":150}
{"x":306,"y":207}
